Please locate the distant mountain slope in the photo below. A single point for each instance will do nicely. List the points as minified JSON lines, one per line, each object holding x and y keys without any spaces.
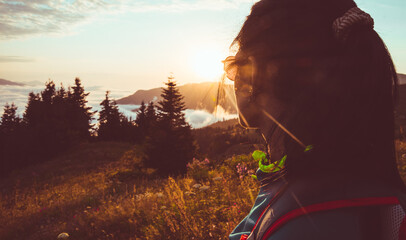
{"x":7,"y":82}
{"x":197,"y":96}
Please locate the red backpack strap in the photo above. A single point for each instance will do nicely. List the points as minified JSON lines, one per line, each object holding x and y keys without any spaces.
{"x":324,"y":206}
{"x":244,"y":237}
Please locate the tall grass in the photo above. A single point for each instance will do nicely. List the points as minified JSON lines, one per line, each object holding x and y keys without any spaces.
{"x":102,"y":191}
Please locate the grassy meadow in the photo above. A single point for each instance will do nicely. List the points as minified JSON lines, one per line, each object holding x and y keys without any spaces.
{"x":101,"y":191}
{"x":97,"y":191}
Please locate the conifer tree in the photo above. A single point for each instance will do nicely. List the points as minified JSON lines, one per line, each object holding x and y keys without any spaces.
{"x":10,"y":122}
{"x":151,"y":117}
{"x":141,"y":123}
{"x":10,"y":139}
{"x":151,"y":113}
{"x":109,"y":120}
{"x":171,"y":107}
{"x":49,"y":92}
{"x":171,"y":146}
{"x":80,"y":114}
{"x":53,"y":121}
{"x":141,"y":118}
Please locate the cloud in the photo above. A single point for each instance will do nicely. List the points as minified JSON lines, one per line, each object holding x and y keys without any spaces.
{"x":20,"y":18}
{"x":17,"y":95}
{"x":201,"y":118}
{"x":7,"y":59}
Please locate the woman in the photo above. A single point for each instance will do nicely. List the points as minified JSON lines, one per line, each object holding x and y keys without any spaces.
{"x":316,"y":73}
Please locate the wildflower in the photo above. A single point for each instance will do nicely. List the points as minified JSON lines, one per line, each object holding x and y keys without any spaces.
{"x":43,"y":209}
{"x":242,"y":169}
{"x":204,"y":188}
{"x":197,"y":185}
{"x":63,"y":236}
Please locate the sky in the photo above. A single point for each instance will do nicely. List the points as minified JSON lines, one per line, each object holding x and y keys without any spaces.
{"x":136,"y":44}
{"x":126,"y":45}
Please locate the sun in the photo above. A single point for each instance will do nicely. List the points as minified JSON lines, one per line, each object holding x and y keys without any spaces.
{"x":207,"y":63}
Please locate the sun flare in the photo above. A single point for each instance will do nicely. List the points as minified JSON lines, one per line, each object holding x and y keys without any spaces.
{"x":207,"y":63}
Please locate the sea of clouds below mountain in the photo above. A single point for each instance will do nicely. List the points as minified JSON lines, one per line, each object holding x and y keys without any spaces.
{"x":19,"y":96}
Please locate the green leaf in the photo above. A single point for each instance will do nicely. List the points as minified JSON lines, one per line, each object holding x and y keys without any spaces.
{"x":258,"y":155}
{"x":308,"y":148}
{"x":266,"y":168}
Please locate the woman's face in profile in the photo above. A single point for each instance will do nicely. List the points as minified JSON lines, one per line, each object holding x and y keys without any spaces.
{"x":254,"y":99}
{"x":241,"y":71}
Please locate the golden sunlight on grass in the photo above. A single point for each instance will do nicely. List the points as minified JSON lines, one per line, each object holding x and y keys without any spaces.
{"x":100,"y":191}
{"x":206,"y":63}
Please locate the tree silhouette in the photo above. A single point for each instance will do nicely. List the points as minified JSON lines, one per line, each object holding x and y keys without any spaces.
{"x":151,"y":113}
{"x":170,"y":146}
{"x":49,"y":92}
{"x":53,"y":121}
{"x":141,"y":122}
{"x":10,"y":122}
{"x":10,"y":139}
{"x":109,"y":120}
{"x":32,"y":112}
{"x":80,"y":114}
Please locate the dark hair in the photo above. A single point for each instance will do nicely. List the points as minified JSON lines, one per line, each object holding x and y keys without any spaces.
{"x":336,"y":96}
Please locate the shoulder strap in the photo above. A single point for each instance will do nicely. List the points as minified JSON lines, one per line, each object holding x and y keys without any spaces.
{"x":325,"y":206}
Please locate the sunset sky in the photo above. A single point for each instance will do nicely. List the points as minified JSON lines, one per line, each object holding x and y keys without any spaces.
{"x":136,"y":44}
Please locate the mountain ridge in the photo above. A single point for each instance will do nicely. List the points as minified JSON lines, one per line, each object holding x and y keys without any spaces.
{"x":196,"y":96}
{"x":4,"y":82}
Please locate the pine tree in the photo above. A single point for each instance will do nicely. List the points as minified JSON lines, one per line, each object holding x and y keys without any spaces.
{"x":171,"y":107}
{"x":49,"y":92}
{"x":151,"y":117}
{"x":80,"y":114}
{"x":141,"y":118}
{"x":11,"y":139}
{"x":53,"y":121}
{"x":141,"y":123}
{"x":170,"y":146}
{"x":109,"y":120}
{"x":10,"y":122}
{"x":151,"y":113}
{"x":31,"y":116}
